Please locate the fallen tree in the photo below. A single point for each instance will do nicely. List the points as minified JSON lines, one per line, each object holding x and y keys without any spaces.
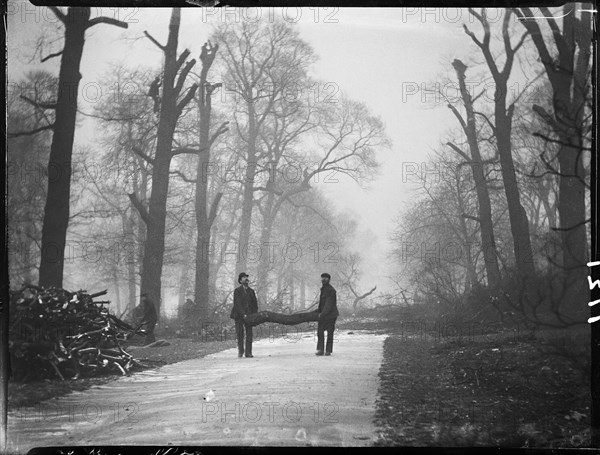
{"x":286,"y":319}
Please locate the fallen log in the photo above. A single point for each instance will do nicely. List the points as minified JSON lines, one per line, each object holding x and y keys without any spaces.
{"x":286,"y":319}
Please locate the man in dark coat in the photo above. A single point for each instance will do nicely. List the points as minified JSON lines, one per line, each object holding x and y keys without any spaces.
{"x":244,"y":303}
{"x":328,"y":313}
{"x":149,"y":317}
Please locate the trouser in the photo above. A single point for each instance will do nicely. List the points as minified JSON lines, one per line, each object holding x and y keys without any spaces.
{"x":239,"y":331}
{"x":328,"y":325}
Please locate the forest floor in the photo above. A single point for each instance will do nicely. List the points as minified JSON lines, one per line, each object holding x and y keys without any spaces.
{"x":498,"y":390}
{"x":478,"y":392}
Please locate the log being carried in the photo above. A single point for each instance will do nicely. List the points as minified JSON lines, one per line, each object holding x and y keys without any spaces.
{"x":286,"y":319}
{"x":246,"y":315}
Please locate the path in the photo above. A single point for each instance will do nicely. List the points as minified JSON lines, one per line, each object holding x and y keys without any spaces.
{"x":285,"y":395}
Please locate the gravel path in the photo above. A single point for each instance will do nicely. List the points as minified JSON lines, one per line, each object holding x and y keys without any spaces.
{"x":285,"y":395}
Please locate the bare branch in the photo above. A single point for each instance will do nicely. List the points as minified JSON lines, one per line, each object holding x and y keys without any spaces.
{"x":140,"y":208}
{"x":183,"y":177}
{"x":539,"y":110}
{"x":58,"y":13}
{"x":49,"y":56}
{"x":581,"y":223}
{"x":457,"y":115}
{"x":32,"y":132}
{"x":213,"y":208}
{"x":151,"y":38}
{"x":182,"y":58}
{"x":530,"y":23}
{"x":471,"y":217}
{"x":489,"y":122}
{"x":186,"y":99}
{"x":184,"y":150}
{"x":459,"y":151}
{"x":221,"y":130}
{"x":183,"y":75}
{"x":140,"y":153}
{"x":556,"y":33}
{"x":107,"y":20}
{"x":38,"y":104}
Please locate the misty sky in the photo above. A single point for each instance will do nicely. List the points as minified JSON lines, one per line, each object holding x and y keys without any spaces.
{"x":377,"y":56}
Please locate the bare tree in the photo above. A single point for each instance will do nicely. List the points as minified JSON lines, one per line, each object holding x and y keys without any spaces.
{"x":27,"y":156}
{"x":477,"y":166}
{"x":568,"y":74}
{"x":350,"y":276}
{"x":567,"y":63}
{"x":204,"y":217}
{"x":171,"y":108}
{"x":502,"y":127}
{"x":291,"y":121}
{"x":56,"y":212}
{"x":260,"y":62}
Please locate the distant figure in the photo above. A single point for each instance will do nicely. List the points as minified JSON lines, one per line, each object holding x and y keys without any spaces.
{"x":185,"y":312}
{"x":149,"y":317}
{"x":244,"y":303}
{"x":328,"y":313}
{"x":153,"y":92}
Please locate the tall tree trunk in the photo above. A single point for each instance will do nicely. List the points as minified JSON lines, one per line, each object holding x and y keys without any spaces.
{"x":264,"y":264}
{"x":142,"y":195}
{"x":568,"y":73}
{"x":571,"y":191}
{"x":302,"y":293}
{"x":202,"y":243}
{"x":117,"y":293}
{"x":131,"y":262}
{"x":154,"y":246}
{"x":170,"y":110}
{"x":221,"y":244}
{"x":471,"y":275}
{"x":130,"y":256}
{"x":204,"y":218}
{"x":488,"y":242}
{"x":292,"y":286}
{"x":183,"y":288}
{"x":248,"y":195}
{"x":519,"y":225}
{"x":56,"y":211}
{"x":28,"y":255}
{"x":162,"y":302}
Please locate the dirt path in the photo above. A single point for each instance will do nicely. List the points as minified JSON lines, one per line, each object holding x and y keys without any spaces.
{"x":285,"y":395}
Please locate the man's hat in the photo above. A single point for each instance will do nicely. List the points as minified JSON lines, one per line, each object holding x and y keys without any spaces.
{"x":242,"y":275}
{"x":325,"y":275}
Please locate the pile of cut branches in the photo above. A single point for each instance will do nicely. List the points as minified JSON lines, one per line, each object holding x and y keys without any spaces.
{"x":54,"y":332}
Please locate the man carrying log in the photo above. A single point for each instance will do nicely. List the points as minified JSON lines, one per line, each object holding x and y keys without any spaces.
{"x":328,"y":313}
{"x":244,"y":304}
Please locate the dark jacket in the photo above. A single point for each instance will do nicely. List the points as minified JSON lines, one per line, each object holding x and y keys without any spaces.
{"x":328,"y":303}
{"x":244,"y":302}
{"x":148,"y":310}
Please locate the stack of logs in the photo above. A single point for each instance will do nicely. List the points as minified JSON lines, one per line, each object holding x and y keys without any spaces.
{"x":54,"y":332}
